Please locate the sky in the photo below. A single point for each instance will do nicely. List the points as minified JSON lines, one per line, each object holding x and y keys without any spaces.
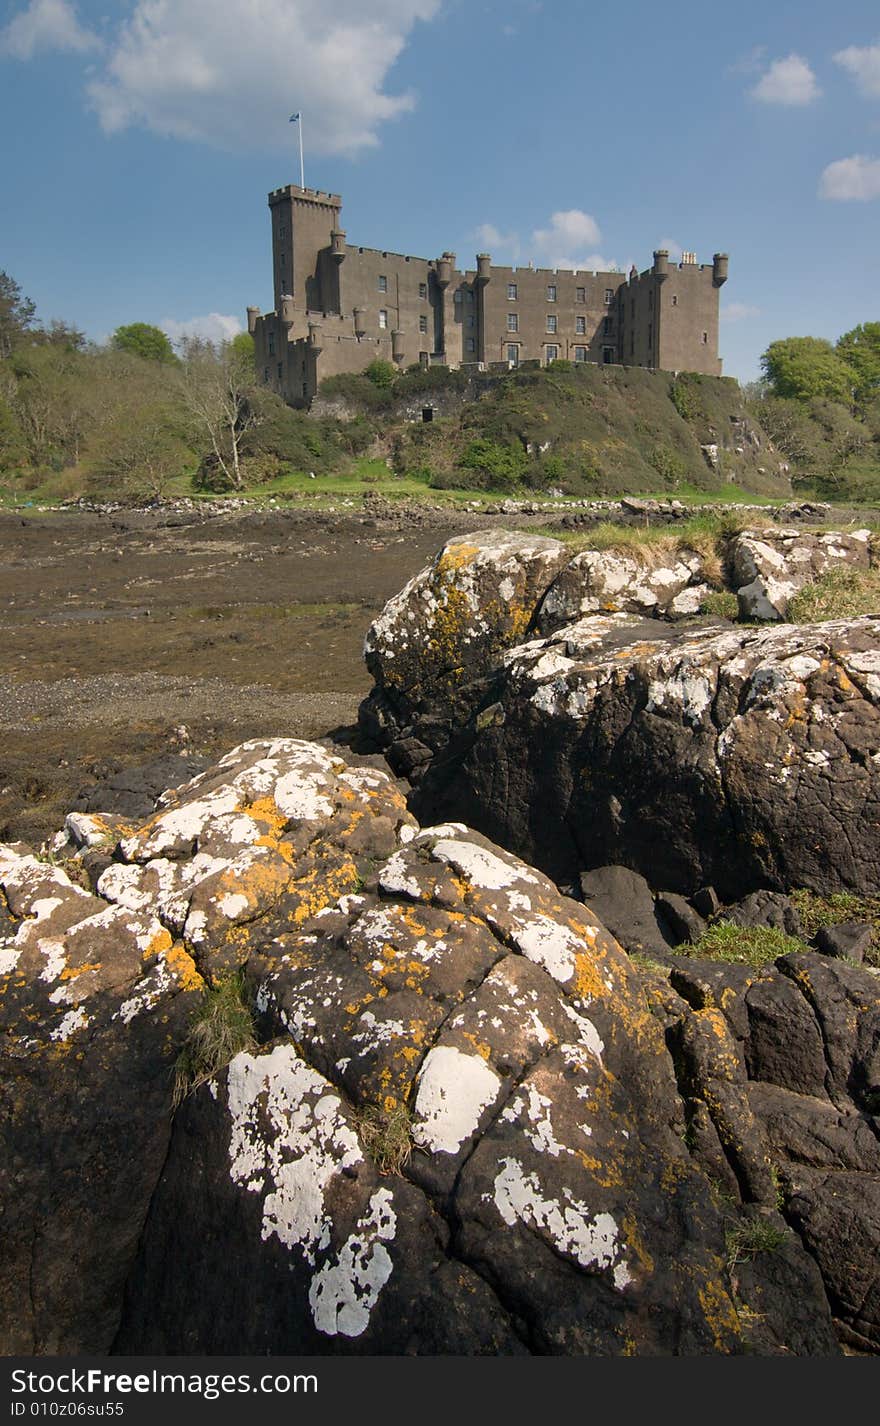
{"x":141,"y":138}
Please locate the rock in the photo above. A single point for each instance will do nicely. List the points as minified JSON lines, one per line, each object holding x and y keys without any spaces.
{"x":622,"y":901}
{"x":769,"y":566}
{"x":608,"y":581}
{"x":706,"y":901}
{"x":478,"y":596}
{"x":469,"y":1125}
{"x":739,"y":758}
{"x":96,"y":999}
{"x":684,"y":923}
{"x":754,"y":605}
{"x":765,"y":908}
{"x":850,"y":940}
{"x":132,"y":792}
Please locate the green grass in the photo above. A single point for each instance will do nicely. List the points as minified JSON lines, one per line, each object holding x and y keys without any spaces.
{"x":842,"y":593}
{"x":742,"y":945}
{"x":721,"y":603}
{"x":223,"y":1026}
{"x":387,"y":1136}
{"x":747,"y":1239}
{"x":816,"y":911}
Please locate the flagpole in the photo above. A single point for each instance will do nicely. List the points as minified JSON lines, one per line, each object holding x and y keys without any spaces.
{"x":302,"y":172}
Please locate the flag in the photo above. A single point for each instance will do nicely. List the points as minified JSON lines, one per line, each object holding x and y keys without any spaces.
{"x":294,"y":119}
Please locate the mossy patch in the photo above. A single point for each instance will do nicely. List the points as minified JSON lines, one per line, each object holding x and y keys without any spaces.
{"x":742,"y":945}
{"x":222,"y":1026}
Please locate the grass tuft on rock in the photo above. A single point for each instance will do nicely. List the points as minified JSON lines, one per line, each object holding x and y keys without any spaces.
{"x":750,"y":1237}
{"x":842,"y":593}
{"x":742,"y":945}
{"x":386,"y":1134}
{"x":223,"y":1026}
{"x":816,"y":911}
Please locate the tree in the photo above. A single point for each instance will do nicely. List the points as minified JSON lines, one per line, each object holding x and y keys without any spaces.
{"x":243,"y":346}
{"x":16,"y":314}
{"x":219,"y":389}
{"x":860,"y":349}
{"x":145,"y":341}
{"x":805,"y":367}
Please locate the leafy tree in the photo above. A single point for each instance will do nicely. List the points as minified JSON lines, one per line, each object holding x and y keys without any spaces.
{"x":243,"y":345}
{"x":805,"y":367}
{"x":16,"y":314}
{"x":145,"y":341}
{"x":220,"y":393}
{"x":860,"y":349}
{"x":59,"y":334}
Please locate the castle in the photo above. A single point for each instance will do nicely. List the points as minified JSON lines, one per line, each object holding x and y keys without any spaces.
{"x":339,"y":307}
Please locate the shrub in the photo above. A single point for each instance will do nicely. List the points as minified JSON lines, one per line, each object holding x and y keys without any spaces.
{"x":721,"y":603}
{"x":221,"y":1028}
{"x":501,"y":465}
{"x":382,"y":374}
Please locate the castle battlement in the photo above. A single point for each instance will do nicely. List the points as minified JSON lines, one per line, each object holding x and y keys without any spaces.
{"x":339,"y":306}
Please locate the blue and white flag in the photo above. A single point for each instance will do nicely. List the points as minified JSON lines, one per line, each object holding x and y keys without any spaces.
{"x":294,"y":119}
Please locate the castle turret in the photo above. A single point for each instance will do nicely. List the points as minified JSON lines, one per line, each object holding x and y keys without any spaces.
{"x":252,"y":314}
{"x":445,"y":265}
{"x":719,"y":269}
{"x":484,"y":267}
{"x":337,"y":243}
{"x":360,"y":321}
{"x":315,"y":336}
{"x":661,"y":264}
{"x":288,"y":310}
{"x":397,"y":345}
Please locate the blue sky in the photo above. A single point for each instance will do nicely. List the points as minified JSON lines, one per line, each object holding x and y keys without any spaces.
{"x":148,"y":133}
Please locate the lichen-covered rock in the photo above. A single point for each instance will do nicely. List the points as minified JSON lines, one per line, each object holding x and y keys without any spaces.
{"x":476,"y":597}
{"x":95,"y":1002}
{"x":561,"y":1110}
{"x":742,"y":758}
{"x":608,"y":581}
{"x":772,"y":565}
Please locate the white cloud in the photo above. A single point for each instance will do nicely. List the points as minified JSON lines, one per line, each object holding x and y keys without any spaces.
{"x":857,"y":177}
{"x":864,"y":65}
{"x":675,"y":250}
{"x":231,"y":74}
{"x":46,"y":25}
{"x":213,"y":327}
{"x":492,"y":240}
{"x":571,"y":231}
{"x":739,"y":312}
{"x":788,"y":81}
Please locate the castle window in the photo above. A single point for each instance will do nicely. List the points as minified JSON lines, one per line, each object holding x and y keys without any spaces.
{"x":609,"y":296}
{"x":580,"y":353}
{"x":280,"y":371}
{"x":265,"y":373}
{"x":580,"y":325}
{"x":551,"y":293}
{"x":383,"y":319}
{"x":282,"y":231}
{"x":608,"y":355}
{"x":581,"y":294}
{"x":469,"y":296}
{"x":511,"y":291}
{"x":383,"y":284}
{"x":458,"y":296}
{"x":705,"y":339}
{"x":271,"y":344}
{"x":552,"y":353}
{"x":674,"y":300}
{"x":471,"y":320}
{"x":471,"y":344}
{"x":512,"y":322}
{"x":423,"y":324}
{"x":551,"y":323}
{"x":513,"y":354}
{"x":423,"y":289}
{"x":607,"y":324}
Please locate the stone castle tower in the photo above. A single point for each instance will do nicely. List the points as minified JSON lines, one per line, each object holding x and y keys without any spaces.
{"x":338,"y":307}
